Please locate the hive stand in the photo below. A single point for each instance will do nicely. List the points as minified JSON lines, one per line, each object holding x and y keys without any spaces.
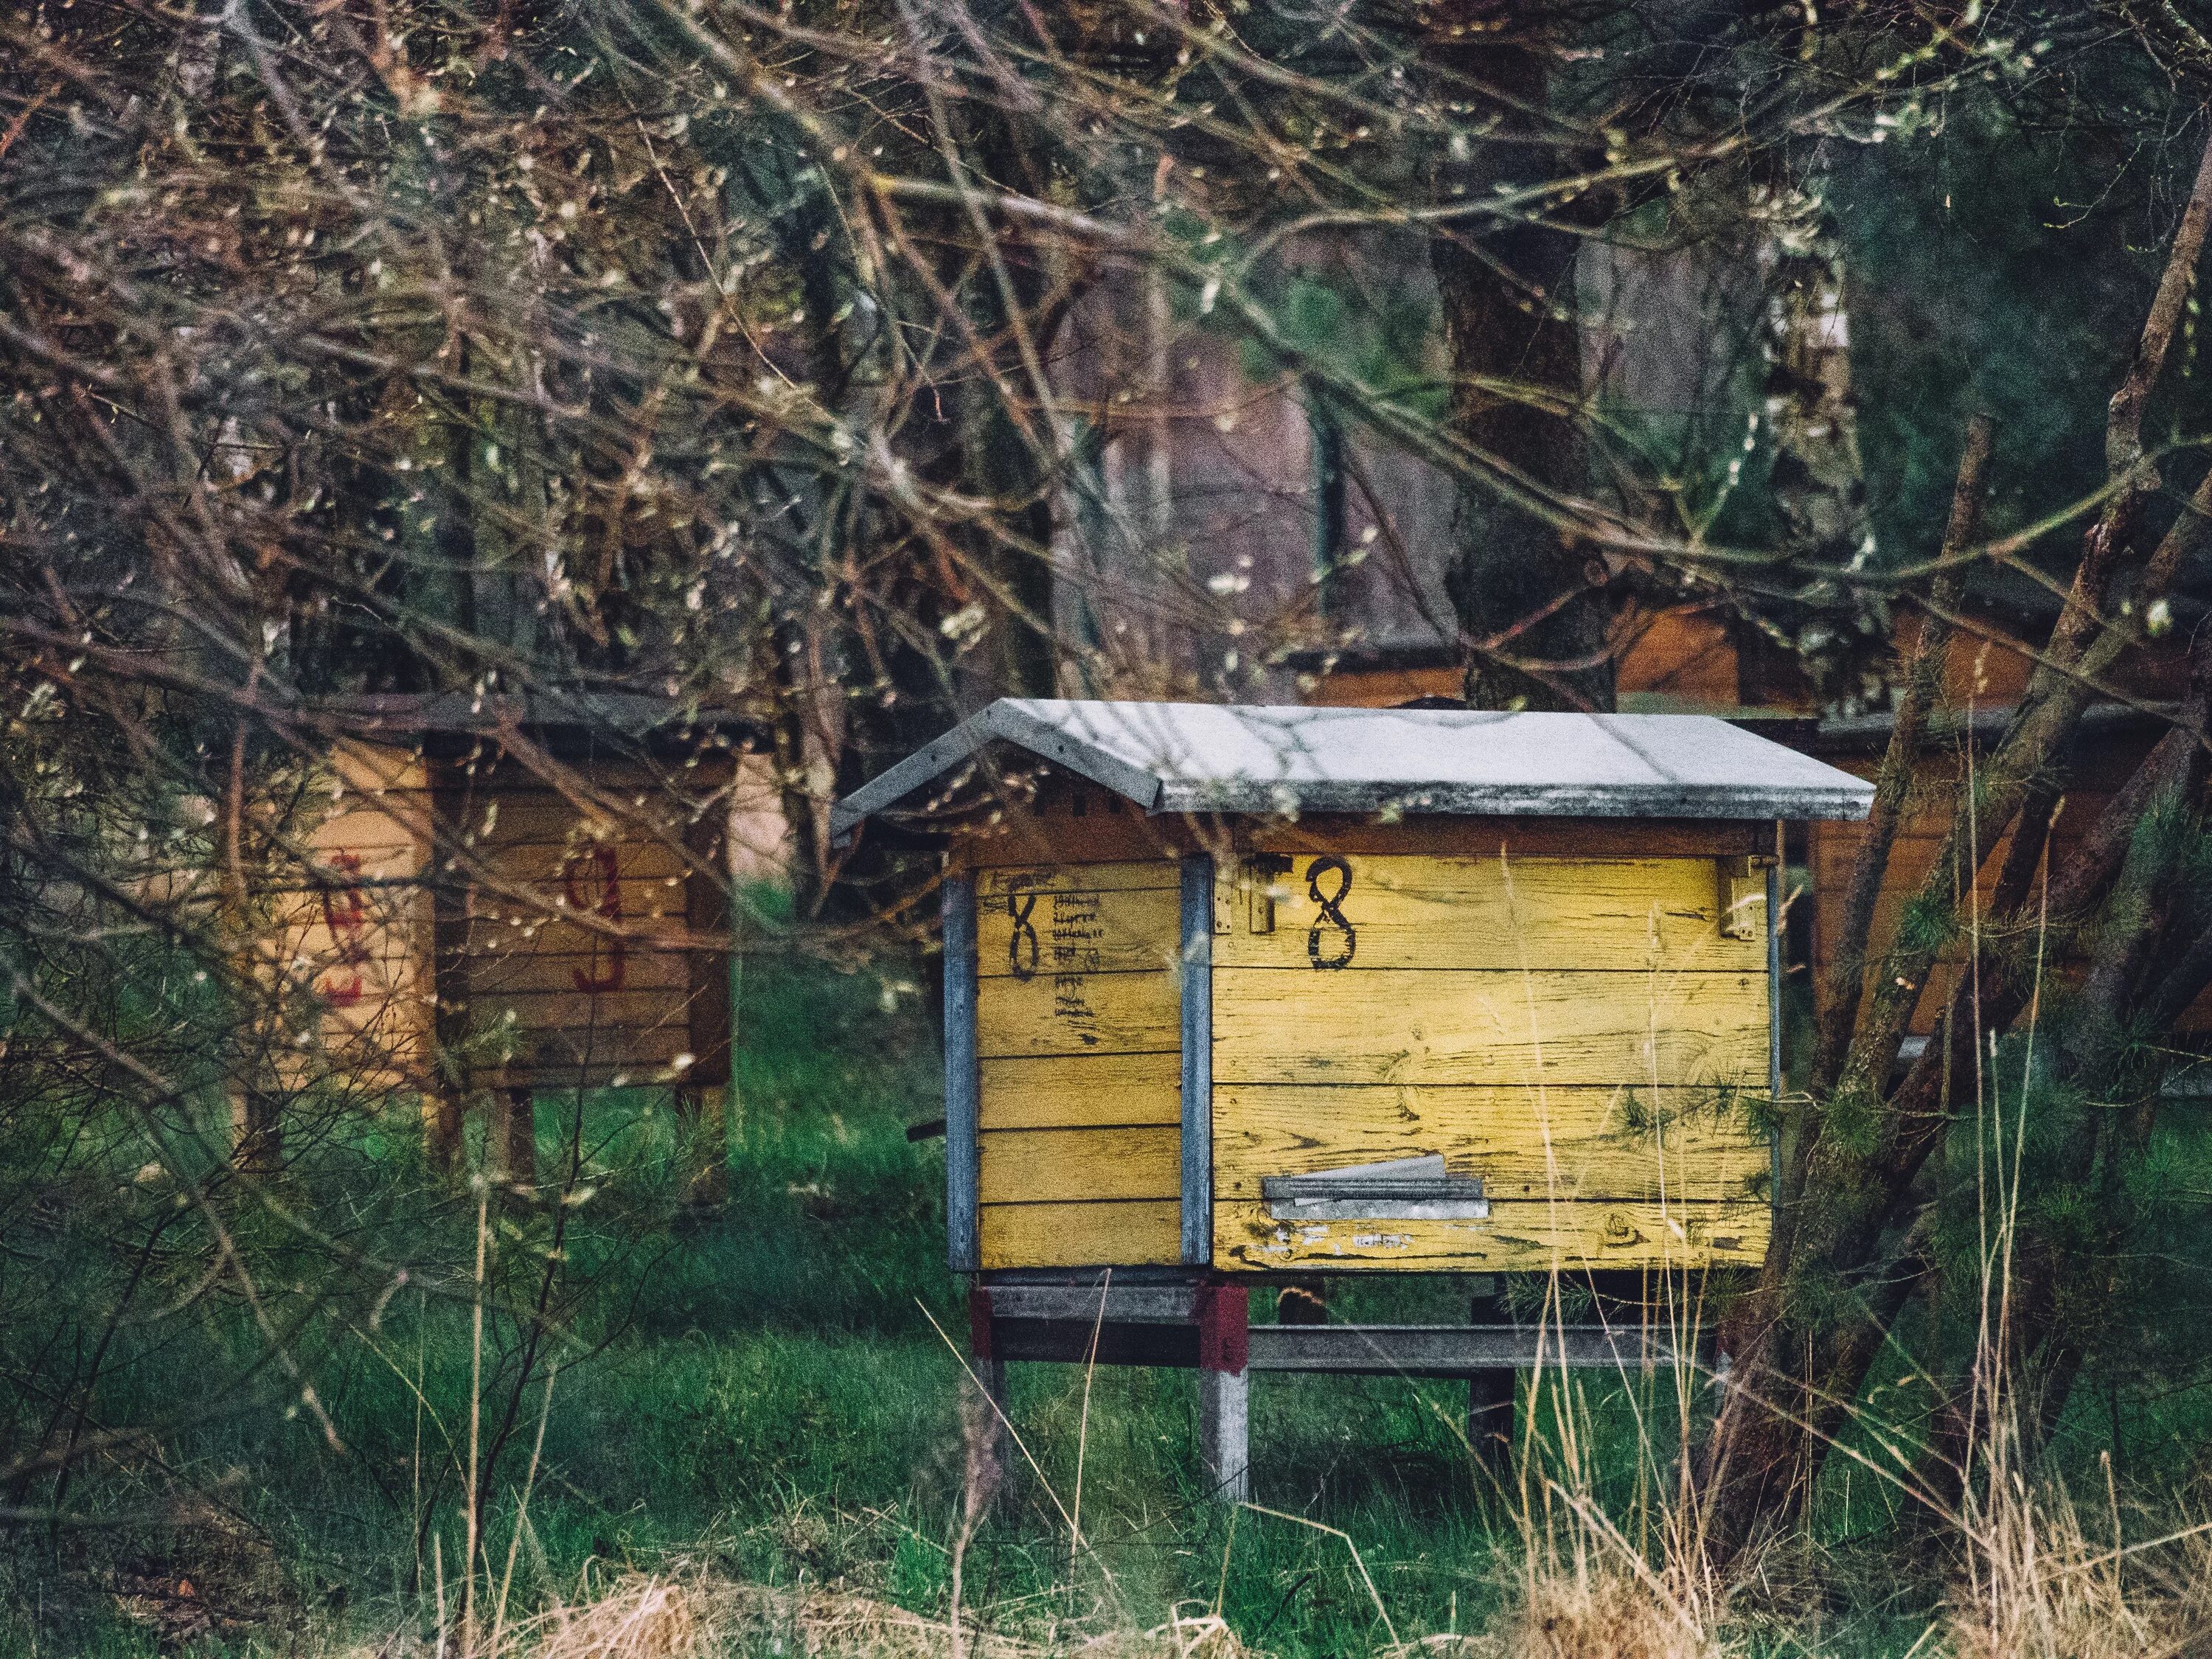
{"x":1138,"y":1316}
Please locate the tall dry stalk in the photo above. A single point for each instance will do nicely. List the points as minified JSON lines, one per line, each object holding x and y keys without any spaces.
{"x":470,"y":1517}
{"x":1083,"y":1425}
{"x":522,"y":1507}
{"x":979,"y":1438}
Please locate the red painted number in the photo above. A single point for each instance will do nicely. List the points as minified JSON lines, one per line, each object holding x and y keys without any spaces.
{"x":345,"y":913}
{"x":600,"y":872}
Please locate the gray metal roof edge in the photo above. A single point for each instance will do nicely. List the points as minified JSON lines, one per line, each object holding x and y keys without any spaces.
{"x":1003,"y":720}
{"x":1655,"y":800}
{"x":922,"y":768}
{"x":1007,"y":719}
{"x":1042,"y":738}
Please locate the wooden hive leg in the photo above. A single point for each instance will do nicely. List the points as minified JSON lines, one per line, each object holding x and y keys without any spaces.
{"x":441,"y":1127}
{"x":1225,"y":1391}
{"x":510,"y":1142}
{"x":1490,"y":1393}
{"x":985,"y":1411}
{"x":257,"y":1128}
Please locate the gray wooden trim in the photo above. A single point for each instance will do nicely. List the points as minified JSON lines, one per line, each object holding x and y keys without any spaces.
{"x":1224,"y":1434}
{"x":961,"y":1253}
{"x":1004,"y":720}
{"x":1347,"y":1350}
{"x":1456,"y":1350}
{"x":1117,"y":1303}
{"x":1198,"y":1059}
{"x":1774,"y":874}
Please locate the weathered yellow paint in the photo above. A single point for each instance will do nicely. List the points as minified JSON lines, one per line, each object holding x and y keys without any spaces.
{"x":1057,"y":930}
{"x":1609,"y":981}
{"x":1577,"y":1031}
{"x":1078,"y":1013}
{"x":1078,"y":1166}
{"x":1521,"y":1235}
{"x":1069,"y":1092}
{"x":1079,"y":1072}
{"x":1135,"y":1233}
{"x":1743,"y":900}
{"x":1399,"y":1025}
{"x":1484,"y":912}
{"x":1569,"y":1143}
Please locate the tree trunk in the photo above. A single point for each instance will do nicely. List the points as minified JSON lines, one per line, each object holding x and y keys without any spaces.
{"x":1923,"y":680}
{"x":1818,"y":482}
{"x":1803,"y":1340}
{"x":1532,"y":619}
{"x":1800,"y":1361}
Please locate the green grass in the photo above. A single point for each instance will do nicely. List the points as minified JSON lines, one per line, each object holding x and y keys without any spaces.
{"x":763,"y":1390}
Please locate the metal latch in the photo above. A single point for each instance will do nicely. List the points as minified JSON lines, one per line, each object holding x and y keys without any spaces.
{"x":1401,"y":1190}
{"x":1743,"y":898}
{"x":1259,"y":890}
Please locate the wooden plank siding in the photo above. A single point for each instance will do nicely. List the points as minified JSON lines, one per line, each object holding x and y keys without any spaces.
{"x":1578,"y":1032}
{"x":351,"y":927}
{"x":1390,"y":1025}
{"x":574,"y":929}
{"x":1577,"y":914}
{"x":555,"y":950}
{"x":1518,"y":1236}
{"x":1598,"y":1143}
{"x":1078,"y":1040}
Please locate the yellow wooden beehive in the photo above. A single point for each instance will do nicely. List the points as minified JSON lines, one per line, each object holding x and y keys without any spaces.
{"x":1254,"y":990}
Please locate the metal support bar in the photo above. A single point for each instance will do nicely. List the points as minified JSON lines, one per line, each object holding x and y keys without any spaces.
{"x":1348,"y":1349}
{"x":963,"y":1249}
{"x":1118,"y":1303}
{"x":1774,"y":1036}
{"x":1459,"y":1350}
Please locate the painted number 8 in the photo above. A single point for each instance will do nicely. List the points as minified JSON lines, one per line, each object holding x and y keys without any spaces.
{"x":1331,"y":915}
{"x":1019,"y":905}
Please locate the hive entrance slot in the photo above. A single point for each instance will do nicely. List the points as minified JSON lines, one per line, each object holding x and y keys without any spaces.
{"x":1400,"y":1190}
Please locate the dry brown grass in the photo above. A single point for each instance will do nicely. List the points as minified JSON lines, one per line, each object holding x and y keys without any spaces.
{"x":640,"y":1618}
{"x":1602,"y":1612}
{"x":2039,"y":1586}
{"x":695,"y":1616}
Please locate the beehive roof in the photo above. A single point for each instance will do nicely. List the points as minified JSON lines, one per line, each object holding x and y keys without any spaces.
{"x":1212,"y":757}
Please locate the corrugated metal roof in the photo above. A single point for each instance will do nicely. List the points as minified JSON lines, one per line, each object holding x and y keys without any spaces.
{"x":1212,"y":757}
